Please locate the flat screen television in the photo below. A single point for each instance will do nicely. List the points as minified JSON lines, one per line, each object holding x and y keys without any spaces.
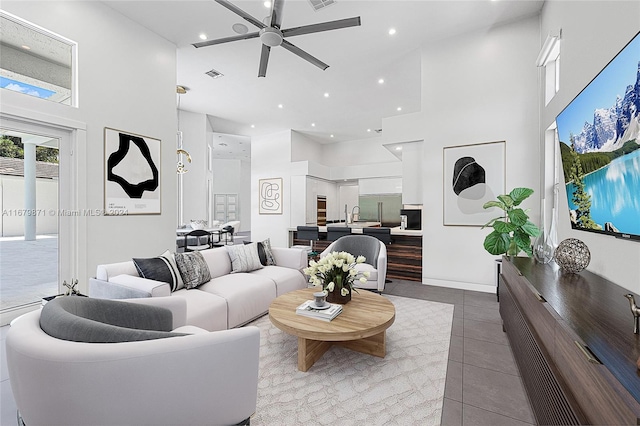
{"x":414,"y":218}
{"x":599,"y":134}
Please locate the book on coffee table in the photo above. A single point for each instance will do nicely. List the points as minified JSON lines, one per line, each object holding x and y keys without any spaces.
{"x":307,"y":309}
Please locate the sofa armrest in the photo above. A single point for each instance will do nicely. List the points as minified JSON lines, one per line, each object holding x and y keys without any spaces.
{"x":290,"y":258}
{"x":382,"y":267}
{"x":218,"y":371}
{"x":127,"y":287}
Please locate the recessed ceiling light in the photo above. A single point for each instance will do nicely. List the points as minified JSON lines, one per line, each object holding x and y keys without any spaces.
{"x":368,"y":130}
{"x":326,"y":94}
{"x":203,"y":36}
{"x":253,"y":126}
{"x":392,"y":31}
{"x":267,"y":4}
{"x":399,"y":108}
{"x":280,"y":106}
{"x":398,"y":148}
{"x":381,"y":81}
{"x":313,"y":124}
{"x":24,"y":46}
{"x":331,"y":135}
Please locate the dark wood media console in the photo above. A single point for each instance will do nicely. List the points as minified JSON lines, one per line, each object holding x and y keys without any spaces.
{"x":572,"y":337}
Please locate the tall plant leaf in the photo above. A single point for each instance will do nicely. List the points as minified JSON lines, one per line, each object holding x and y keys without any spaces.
{"x":518,"y":217}
{"x":518,"y":195}
{"x":497,"y":204}
{"x":504,"y":227}
{"x":496,"y":242}
{"x":531,"y":229}
{"x":506,"y":199}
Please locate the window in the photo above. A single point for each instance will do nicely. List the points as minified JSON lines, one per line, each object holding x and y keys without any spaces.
{"x":549,"y":58}
{"x":36,"y":62}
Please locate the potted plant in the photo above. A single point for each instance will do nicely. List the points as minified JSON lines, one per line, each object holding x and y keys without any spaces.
{"x":336,"y":273}
{"x":512,"y":232}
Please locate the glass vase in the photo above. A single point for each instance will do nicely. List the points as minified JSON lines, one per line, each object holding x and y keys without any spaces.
{"x":545,"y":244}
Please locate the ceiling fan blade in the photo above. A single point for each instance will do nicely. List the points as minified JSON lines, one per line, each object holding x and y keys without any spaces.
{"x":264,"y":59}
{"x":324,"y":26}
{"x":276,"y":13}
{"x":226,"y":39}
{"x":241,"y":13}
{"x":304,"y":55}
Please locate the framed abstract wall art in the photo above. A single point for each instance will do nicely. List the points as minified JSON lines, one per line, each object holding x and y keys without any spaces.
{"x":132,"y":173}
{"x":270,"y":196}
{"x":473,"y":175}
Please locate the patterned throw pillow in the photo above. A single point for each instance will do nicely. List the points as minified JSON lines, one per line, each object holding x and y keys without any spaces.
{"x":244,"y":258}
{"x":162,"y":268}
{"x":193,"y":268}
{"x":271,"y":260}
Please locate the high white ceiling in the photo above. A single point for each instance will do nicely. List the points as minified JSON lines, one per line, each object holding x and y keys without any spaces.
{"x":358,"y":58}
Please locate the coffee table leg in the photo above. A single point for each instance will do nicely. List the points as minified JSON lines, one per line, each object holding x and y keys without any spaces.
{"x":374,"y":345}
{"x":309,"y":351}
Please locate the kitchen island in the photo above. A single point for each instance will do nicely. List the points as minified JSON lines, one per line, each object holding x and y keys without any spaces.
{"x":404,"y":254}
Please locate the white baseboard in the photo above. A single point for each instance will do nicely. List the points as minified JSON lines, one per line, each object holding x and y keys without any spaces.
{"x":460,"y":285}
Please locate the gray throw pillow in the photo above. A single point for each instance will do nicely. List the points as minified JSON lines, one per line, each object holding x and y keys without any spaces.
{"x":193,"y":268}
{"x":271,"y":260}
{"x":162,"y":268}
{"x":244,"y":258}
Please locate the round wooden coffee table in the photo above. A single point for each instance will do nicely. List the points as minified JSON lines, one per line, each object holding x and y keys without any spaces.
{"x":361,"y":326}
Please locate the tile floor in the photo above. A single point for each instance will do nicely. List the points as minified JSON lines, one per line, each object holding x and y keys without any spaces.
{"x":483,"y":385}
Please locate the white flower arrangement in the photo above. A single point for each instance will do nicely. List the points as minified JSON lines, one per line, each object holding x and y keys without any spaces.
{"x":336,"y":271}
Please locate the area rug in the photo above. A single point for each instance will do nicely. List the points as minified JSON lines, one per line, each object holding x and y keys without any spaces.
{"x":349,"y":388}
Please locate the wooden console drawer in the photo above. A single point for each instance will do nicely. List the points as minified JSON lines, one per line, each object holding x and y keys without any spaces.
{"x":602,"y":398}
{"x":538,"y":313}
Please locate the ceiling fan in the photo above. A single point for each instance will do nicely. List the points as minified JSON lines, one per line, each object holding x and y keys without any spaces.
{"x":271,"y":35}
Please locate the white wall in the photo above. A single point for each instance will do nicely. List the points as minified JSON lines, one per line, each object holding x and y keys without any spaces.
{"x":194,"y":183}
{"x":477,"y":88}
{"x":358,"y":152}
{"x":127,"y":79}
{"x":271,"y":158}
{"x":303,"y":148}
{"x":412,"y":177}
{"x":592,"y":34}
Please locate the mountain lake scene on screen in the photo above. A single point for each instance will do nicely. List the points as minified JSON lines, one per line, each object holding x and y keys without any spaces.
{"x":599,"y":133}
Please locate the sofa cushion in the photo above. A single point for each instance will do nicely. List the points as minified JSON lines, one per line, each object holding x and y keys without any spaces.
{"x":218,"y":261}
{"x":244,"y":258}
{"x":193,"y":268}
{"x":248,"y":295}
{"x":285,"y":279}
{"x":204,"y":310}
{"x":162,"y":268}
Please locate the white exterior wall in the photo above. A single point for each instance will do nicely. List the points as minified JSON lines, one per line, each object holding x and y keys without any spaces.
{"x":12,"y":200}
{"x":592,"y":34}
{"x":127,"y":79}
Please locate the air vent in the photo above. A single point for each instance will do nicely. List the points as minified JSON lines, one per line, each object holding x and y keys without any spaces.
{"x":321,"y":4}
{"x":377,"y":130}
{"x":214,"y":74}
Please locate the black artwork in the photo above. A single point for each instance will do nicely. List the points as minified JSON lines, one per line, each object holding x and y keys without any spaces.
{"x":467,"y":173}
{"x":133,"y":190}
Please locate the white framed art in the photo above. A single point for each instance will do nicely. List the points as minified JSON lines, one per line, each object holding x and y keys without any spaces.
{"x":132,"y":173}
{"x":270,"y":196}
{"x":473,"y":175}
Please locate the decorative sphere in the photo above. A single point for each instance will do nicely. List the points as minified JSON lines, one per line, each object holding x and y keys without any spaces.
{"x":572,"y":255}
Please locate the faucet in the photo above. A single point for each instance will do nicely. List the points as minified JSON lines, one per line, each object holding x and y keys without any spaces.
{"x":355,"y":218}
{"x":346,"y":215}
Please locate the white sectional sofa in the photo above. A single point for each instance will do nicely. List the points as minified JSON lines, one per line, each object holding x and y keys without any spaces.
{"x":229,"y":300}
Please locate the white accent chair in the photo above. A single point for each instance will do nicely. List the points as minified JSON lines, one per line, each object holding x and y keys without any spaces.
{"x":193,"y":378}
{"x":373,"y":250}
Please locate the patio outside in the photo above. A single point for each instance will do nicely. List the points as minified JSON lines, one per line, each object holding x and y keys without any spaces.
{"x":28,"y":270}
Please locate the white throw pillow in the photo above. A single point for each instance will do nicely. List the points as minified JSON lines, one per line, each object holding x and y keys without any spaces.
{"x":244,"y":258}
